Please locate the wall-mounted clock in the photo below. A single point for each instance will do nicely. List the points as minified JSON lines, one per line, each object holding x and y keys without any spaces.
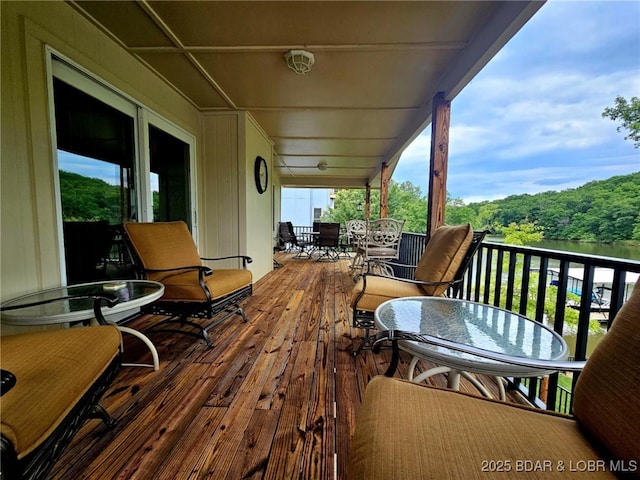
{"x":261,"y":174}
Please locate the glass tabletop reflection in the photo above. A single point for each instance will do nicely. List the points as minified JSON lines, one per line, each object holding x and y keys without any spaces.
{"x":469,"y":323}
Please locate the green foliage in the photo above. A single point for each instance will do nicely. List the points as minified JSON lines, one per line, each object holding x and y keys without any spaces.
{"x":571,"y":315}
{"x":602,"y":211}
{"x":522,"y":234}
{"x":629,"y":114}
{"x":405,"y":202}
{"x":89,"y":199}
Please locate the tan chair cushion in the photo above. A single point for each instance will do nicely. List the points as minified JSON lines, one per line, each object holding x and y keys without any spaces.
{"x":170,"y":245}
{"x":411,"y":431}
{"x":443,"y":255}
{"x":53,"y":370}
{"x":163,"y":245}
{"x":185,"y":286}
{"x":381,"y":289}
{"x":606,"y":398}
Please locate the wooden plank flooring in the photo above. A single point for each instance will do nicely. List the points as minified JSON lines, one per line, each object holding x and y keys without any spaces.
{"x":276,"y":398}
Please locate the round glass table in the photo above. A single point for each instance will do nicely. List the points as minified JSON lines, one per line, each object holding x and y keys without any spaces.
{"x":132,"y":294}
{"x":471,"y":324}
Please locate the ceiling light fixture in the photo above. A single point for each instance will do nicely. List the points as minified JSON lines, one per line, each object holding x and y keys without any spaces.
{"x":322,"y":165}
{"x":300,"y":61}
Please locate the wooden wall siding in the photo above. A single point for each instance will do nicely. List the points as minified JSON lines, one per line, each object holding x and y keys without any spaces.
{"x":276,"y":397}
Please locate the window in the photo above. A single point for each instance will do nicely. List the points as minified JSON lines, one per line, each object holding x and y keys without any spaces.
{"x":117,"y":162}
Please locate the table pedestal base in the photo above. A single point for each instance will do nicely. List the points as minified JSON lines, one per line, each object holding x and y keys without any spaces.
{"x":453,"y":378}
{"x":147,"y":342}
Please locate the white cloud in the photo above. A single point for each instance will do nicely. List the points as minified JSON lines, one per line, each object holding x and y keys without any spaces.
{"x":532,"y":120}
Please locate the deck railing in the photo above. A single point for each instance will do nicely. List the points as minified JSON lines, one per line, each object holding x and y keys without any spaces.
{"x":537,"y":283}
{"x":541,"y":284}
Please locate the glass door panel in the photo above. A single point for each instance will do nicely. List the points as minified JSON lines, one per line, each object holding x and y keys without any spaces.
{"x":170,"y":177}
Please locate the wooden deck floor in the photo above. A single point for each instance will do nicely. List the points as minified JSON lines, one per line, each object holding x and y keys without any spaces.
{"x":276,"y":397}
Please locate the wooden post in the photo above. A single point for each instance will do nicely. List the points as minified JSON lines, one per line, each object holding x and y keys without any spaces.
{"x":544,"y":389}
{"x":384,"y":190}
{"x":367,"y":202}
{"x":437,"y":195}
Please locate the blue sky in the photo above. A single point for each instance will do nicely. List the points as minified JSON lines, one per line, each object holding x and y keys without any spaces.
{"x":531,"y":120}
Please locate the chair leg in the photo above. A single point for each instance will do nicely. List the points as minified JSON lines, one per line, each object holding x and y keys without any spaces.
{"x":203,"y":332}
{"x":99,"y":412}
{"x":363,"y":346}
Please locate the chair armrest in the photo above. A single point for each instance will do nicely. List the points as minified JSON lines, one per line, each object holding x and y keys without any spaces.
{"x":245,"y":259}
{"x":394,"y":336}
{"x":203,"y":270}
{"x":108,"y":299}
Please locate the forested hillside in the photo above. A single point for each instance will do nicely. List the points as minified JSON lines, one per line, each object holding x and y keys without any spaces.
{"x":604,"y":211}
{"x":601,"y":211}
{"x":88,"y":199}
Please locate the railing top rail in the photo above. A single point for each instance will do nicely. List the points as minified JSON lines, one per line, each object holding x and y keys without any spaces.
{"x":587,"y":259}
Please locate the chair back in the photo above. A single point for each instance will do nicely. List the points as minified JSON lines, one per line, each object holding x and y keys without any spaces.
{"x":382,"y":239}
{"x":292,"y":233}
{"x":356,"y":229}
{"x":283,"y":233}
{"x":606,"y":400}
{"x":444,"y":256}
{"x":161,"y":245}
{"x":329,"y":235}
{"x":476,"y":241}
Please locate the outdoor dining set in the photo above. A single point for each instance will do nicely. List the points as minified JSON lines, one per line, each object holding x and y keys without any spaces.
{"x":366,"y":242}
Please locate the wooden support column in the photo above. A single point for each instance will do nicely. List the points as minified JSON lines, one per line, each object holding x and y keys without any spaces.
{"x":437,"y":195}
{"x":384,"y":190}
{"x":367,"y":202}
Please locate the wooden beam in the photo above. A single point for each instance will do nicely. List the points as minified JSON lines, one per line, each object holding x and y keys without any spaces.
{"x":367,"y":202}
{"x":384,"y":190}
{"x":437,"y":195}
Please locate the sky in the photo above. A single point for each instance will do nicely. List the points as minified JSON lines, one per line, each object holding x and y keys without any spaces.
{"x":531,"y":120}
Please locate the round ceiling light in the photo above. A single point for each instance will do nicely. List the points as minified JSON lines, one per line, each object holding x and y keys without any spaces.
{"x":300,"y":61}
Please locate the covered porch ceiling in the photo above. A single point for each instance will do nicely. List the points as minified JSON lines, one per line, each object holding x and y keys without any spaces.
{"x":377,"y":68}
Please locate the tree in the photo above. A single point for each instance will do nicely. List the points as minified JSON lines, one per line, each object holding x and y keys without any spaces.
{"x":406,"y":202}
{"x":522,"y":234}
{"x":629,"y":114}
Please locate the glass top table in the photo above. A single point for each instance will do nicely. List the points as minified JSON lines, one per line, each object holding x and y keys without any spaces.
{"x":471,"y":324}
{"x":132,"y":294}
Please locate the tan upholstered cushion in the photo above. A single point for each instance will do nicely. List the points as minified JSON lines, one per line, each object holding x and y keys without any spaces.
{"x":185,"y":286}
{"x":607,"y":396}
{"x":443,"y":255}
{"x":53,"y":370}
{"x":163,"y":245}
{"x":410,"y":431}
{"x":381,"y":289}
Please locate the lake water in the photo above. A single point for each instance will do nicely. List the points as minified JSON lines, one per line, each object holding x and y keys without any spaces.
{"x":603,"y":249}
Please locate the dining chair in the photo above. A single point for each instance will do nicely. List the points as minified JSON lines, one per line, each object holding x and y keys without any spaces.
{"x":355,"y":231}
{"x":165,"y":252}
{"x":380,"y":243}
{"x":298,"y":243}
{"x":441,"y":267}
{"x":328,"y":241}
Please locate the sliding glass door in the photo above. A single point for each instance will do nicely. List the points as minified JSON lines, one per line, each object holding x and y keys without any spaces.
{"x":117,"y":162}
